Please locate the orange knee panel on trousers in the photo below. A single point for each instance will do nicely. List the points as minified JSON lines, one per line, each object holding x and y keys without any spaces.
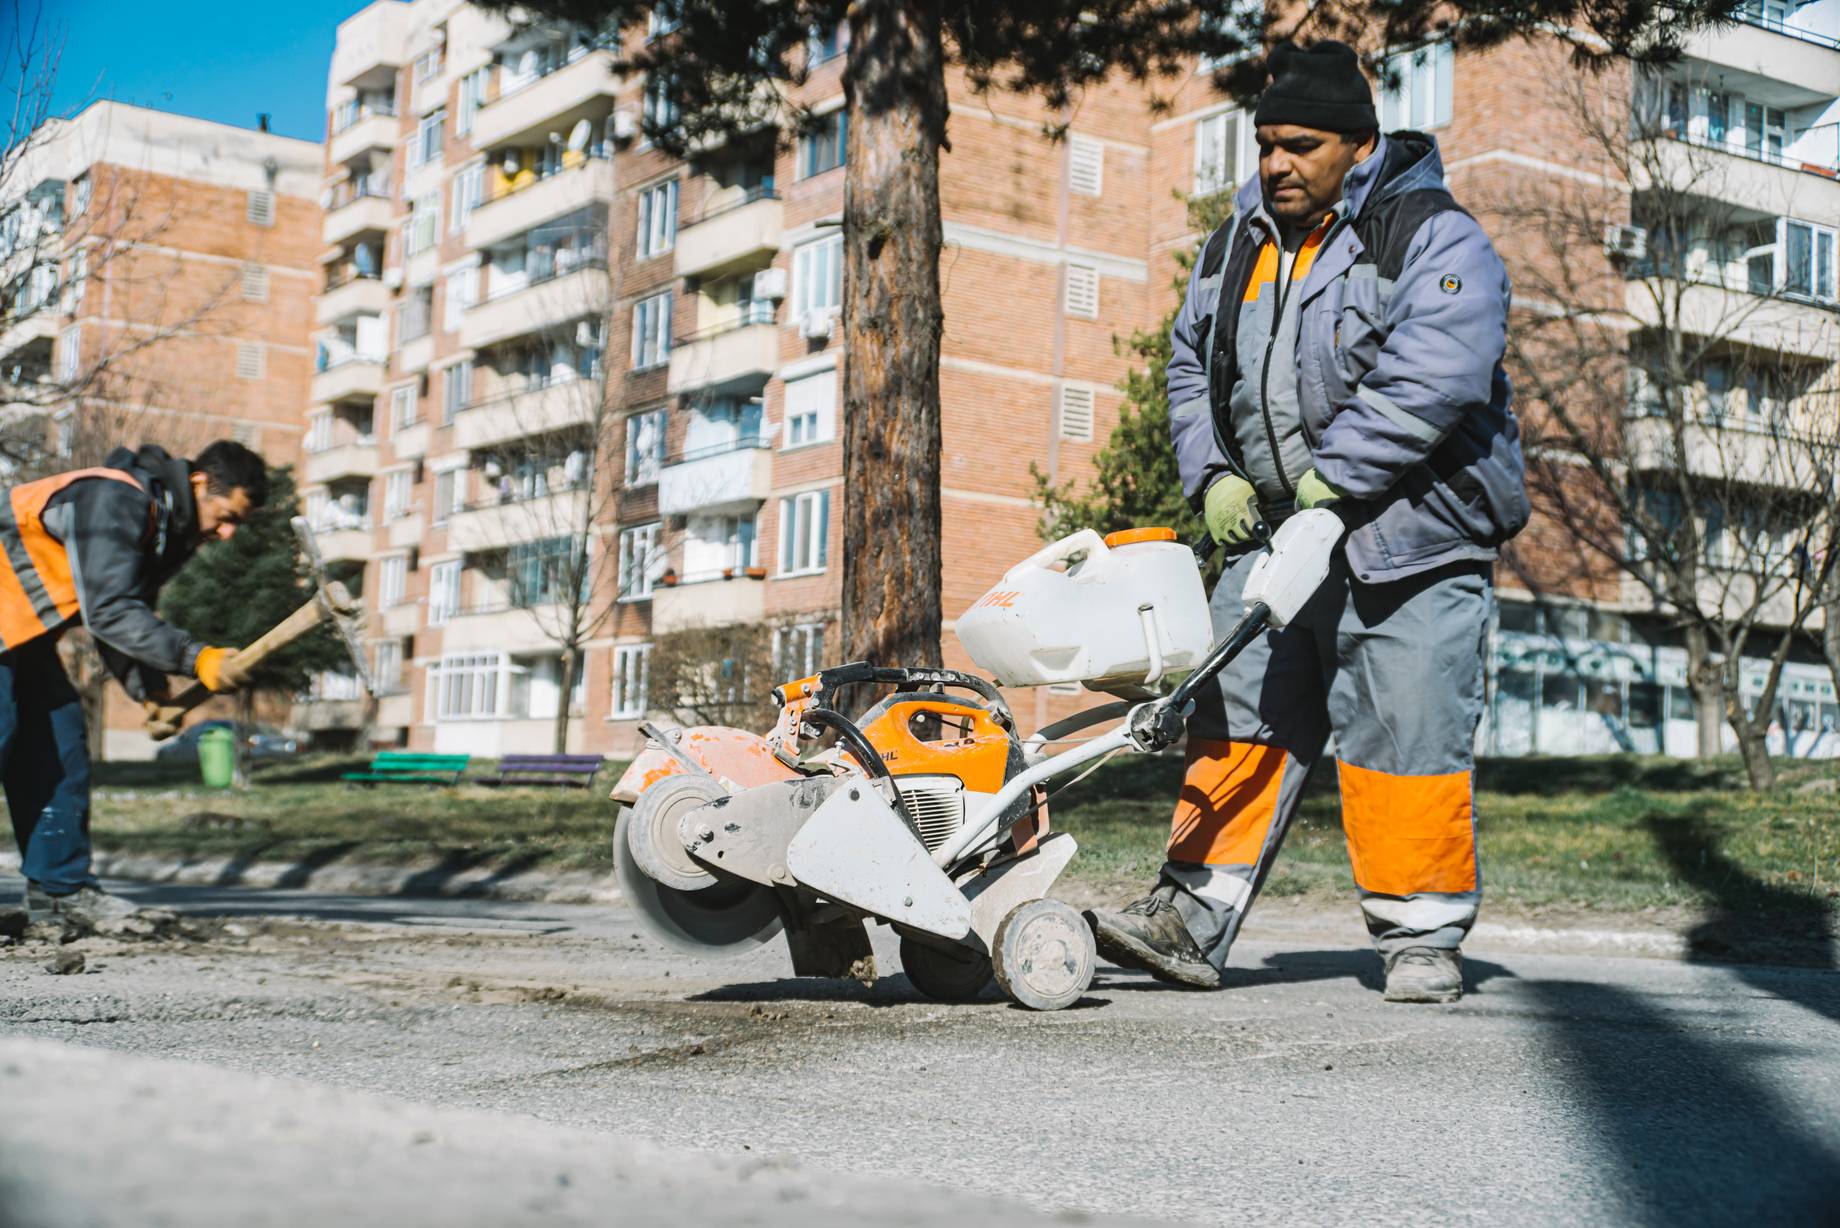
{"x":1408,"y":834}
{"x":1229,"y":797}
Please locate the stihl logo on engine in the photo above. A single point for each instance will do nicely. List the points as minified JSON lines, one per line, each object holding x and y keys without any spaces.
{"x":1002,"y":600}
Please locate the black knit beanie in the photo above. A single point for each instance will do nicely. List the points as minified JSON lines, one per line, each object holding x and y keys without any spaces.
{"x":1319,"y":86}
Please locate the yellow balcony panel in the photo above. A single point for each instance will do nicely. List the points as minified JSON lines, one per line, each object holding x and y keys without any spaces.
{"x":359,"y":296}
{"x":565,"y":192}
{"x":521,"y":414}
{"x":741,"y":235}
{"x":709,"y":603}
{"x":351,"y":380}
{"x":493,"y":526}
{"x":536,"y":309}
{"x":553,"y":103}
{"x":358,"y":216}
{"x":745,"y":354}
{"x":352,"y":460}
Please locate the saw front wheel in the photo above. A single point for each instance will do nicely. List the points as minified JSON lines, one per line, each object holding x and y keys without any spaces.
{"x":955,"y":975}
{"x":1043,"y":955}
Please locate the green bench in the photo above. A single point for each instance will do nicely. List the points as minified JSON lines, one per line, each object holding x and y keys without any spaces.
{"x":402,"y":767}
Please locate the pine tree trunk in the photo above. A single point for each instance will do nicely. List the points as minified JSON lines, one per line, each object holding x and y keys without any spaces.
{"x":892,"y":319}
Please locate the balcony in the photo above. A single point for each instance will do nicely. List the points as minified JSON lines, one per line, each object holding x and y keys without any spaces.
{"x":581,"y":90}
{"x":709,"y":603}
{"x":366,"y":213}
{"x":1780,"y":184}
{"x":1733,"y":449}
{"x":500,"y":628}
{"x":737,"y":235}
{"x":495,"y":525}
{"x":730,"y":359}
{"x":396,"y":710}
{"x":352,"y":460}
{"x":371,"y":45}
{"x":321,"y":715}
{"x":375,"y":128}
{"x":512,"y":213}
{"x":733,"y":474}
{"x":355,"y":296}
{"x":521,"y":414}
{"x":1800,"y":59}
{"x":405,"y":530}
{"x":538,"y":307}
{"x":402,"y":619}
{"x":355,"y":378}
{"x":1708,"y":309}
{"x":36,"y":328}
{"x":346,"y":544}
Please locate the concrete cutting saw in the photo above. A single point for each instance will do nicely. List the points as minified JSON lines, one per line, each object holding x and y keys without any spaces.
{"x":928,"y":812}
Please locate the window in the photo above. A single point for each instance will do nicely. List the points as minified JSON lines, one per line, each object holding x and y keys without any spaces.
{"x":1764,"y":128}
{"x":80,"y":193}
{"x":389,"y":670}
{"x":392,"y":578}
{"x":539,"y":571}
{"x":423,"y":227}
{"x":260,"y":207}
{"x":443,"y":592}
{"x":1226,"y":154}
{"x":1082,"y":291}
{"x":1085,"y":165}
{"x":472,"y":97}
{"x":826,"y":43}
{"x":798,"y":651}
{"x":631,"y":670}
{"x":415,"y":315}
{"x":468,"y":686}
{"x":641,"y":562}
{"x":804,"y":533}
{"x":79,"y":278}
{"x":456,"y":389}
{"x":461,"y":293}
{"x":817,"y":276}
{"x":398,"y":493}
{"x":69,"y":346}
{"x":658,"y":218}
{"x":469,"y":188}
{"x":425,"y":145}
{"x":255,"y":283}
{"x":651,"y":331}
{"x":449,"y":493}
{"x":811,"y":409}
{"x":402,"y":407}
{"x":1075,"y":415}
{"x":1421,"y":99}
{"x":319,"y":430}
{"x":663,"y":19}
{"x":822,"y":149}
{"x":428,"y":64}
{"x":251,"y":360}
{"x":658,"y":109}
{"x":644,"y":447}
{"x":1807,"y":260}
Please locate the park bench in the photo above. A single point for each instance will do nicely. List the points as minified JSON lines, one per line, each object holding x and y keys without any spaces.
{"x":400,"y":767}
{"x":576,"y":771}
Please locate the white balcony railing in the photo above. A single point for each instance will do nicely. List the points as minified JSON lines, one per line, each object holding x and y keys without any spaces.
{"x":733,"y":474}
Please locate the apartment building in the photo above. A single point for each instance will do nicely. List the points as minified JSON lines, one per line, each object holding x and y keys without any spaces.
{"x":535,"y":329}
{"x":159,"y":275}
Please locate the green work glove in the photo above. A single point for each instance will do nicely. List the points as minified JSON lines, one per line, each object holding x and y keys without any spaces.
{"x":1231,"y":509}
{"x":1313,"y":491}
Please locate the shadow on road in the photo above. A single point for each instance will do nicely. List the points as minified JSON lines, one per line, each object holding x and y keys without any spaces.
{"x":1294,"y":967}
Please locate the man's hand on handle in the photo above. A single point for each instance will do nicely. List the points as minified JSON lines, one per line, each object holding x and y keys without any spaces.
{"x":216,"y":668}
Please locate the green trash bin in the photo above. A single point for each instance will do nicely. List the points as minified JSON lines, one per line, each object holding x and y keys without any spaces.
{"x":217,"y":757}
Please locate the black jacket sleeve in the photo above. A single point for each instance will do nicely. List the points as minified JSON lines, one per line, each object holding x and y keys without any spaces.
{"x":105,"y":527}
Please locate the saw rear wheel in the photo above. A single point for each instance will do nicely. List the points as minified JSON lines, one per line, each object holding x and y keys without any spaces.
{"x":1043,"y":955}
{"x":956,"y":975}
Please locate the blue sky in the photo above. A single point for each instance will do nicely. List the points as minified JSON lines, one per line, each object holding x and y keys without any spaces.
{"x":218,"y":61}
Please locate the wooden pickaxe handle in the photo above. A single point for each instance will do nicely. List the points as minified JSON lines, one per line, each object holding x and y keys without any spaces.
{"x":332,"y":602}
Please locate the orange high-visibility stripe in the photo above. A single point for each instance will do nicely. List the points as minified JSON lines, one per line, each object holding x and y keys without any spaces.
{"x":1229,"y":798}
{"x":20,"y":620}
{"x":1408,"y":834}
{"x":1265,"y":272}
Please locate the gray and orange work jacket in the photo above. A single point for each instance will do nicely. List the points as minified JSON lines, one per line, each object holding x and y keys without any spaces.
{"x":95,"y":545}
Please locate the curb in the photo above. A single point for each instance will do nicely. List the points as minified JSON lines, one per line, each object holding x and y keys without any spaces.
{"x":453,"y":874}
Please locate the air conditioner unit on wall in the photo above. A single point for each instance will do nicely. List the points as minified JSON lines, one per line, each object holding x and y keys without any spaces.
{"x":770,"y":284}
{"x":817,"y":325}
{"x":1625,"y":242}
{"x":393,"y":278}
{"x":624,"y":125}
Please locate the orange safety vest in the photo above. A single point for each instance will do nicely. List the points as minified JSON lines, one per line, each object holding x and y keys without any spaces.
{"x":37,"y":592}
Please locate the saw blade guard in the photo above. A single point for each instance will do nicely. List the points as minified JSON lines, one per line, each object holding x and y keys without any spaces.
{"x":728,"y":917}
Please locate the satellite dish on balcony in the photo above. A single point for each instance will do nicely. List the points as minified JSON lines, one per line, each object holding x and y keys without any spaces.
{"x":580,"y":135}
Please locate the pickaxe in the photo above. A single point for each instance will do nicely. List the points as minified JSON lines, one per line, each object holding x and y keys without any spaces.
{"x":330,"y":603}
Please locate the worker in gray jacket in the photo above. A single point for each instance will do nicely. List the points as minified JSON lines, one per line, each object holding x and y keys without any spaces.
{"x":1341,"y":346}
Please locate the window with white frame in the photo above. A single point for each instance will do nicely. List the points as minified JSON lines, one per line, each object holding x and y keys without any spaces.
{"x":472,"y":97}
{"x":1085,"y":165}
{"x":319,"y":430}
{"x":798,"y":650}
{"x":811,"y":409}
{"x":428,"y":64}
{"x":1420,"y":97}
{"x":79,"y":279}
{"x":402,"y":407}
{"x":804,"y":533}
{"x":462,"y":285}
{"x":423,"y":228}
{"x":80,"y":193}
{"x":70,"y":347}
{"x":631,"y":675}
{"x":443,"y":592}
{"x":644,"y":447}
{"x":392,"y":579}
{"x":469,"y":190}
{"x":1806,"y":260}
{"x":817,"y":275}
{"x":398,"y":493}
{"x":449,"y":493}
{"x":641,"y":562}
{"x":1226,"y":153}
{"x":425,"y":145}
{"x":658,"y":218}
{"x":469,"y":686}
{"x":822,"y":149}
{"x":1082,"y":297}
{"x":651,"y":331}
{"x":456,"y":389}
{"x":389,"y":669}
{"x":658,"y":109}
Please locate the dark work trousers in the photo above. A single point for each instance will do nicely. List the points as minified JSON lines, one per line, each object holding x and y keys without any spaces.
{"x":44,"y":760}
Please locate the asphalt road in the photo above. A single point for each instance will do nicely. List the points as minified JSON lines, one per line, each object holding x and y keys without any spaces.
{"x":1563,"y":1089}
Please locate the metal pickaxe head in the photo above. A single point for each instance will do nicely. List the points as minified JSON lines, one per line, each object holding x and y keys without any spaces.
{"x":344,"y":612}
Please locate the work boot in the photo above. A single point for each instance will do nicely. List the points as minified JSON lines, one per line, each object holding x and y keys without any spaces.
{"x":1424,"y":974}
{"x":1149,"y":935}
{"x":89,"y":907}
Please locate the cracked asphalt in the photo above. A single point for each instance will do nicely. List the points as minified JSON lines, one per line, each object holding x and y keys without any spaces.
{"x":1565,"y":1088}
